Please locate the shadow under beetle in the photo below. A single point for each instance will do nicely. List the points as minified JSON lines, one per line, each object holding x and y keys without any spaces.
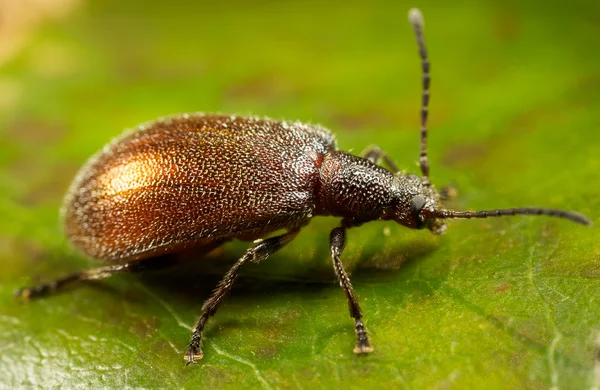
{"x":193,"y":182}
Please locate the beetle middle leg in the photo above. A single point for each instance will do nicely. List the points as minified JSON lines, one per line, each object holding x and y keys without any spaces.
{"x":337,"y":242}
{"x":374,"y":154}
{"x":258,"y":253}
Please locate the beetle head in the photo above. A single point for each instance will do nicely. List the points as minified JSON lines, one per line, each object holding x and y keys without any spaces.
{"x":415,"y":203}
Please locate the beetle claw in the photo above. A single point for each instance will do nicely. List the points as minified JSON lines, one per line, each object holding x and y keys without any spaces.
{"x":192,"y":356}
{"x":362,"y":349}
{"x":23,"y":293}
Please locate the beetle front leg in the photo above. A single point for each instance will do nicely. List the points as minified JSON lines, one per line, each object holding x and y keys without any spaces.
{"x":374,"y":154}
{"x":256,"y":254}
{"x":448,"y":192}
{"x":337,"y":242}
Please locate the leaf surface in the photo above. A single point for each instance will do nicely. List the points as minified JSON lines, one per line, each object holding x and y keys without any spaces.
{"x":494,"y":303}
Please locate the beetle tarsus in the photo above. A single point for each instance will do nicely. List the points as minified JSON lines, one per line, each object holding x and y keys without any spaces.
{"x":194,"y":353}
{"x":362,"y":341}
{"x":23,"y":293}
{"x":28,"y":293}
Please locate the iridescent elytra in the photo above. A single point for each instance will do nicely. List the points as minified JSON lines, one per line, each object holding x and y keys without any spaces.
{"x":193,"y":182}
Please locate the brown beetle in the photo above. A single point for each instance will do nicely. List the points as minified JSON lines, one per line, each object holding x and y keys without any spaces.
{"x":197,"y":181}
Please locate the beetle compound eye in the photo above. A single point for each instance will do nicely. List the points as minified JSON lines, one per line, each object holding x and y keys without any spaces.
{"x":416,"y":205}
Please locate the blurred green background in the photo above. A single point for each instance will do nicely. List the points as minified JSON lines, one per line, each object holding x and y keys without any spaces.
{"x":504,"y":303}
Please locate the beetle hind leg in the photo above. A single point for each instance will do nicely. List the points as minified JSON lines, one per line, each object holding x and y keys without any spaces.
{"x":93,"y":274}
{"x":260,"y":252}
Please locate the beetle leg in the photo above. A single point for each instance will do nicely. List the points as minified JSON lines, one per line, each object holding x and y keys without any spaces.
{"x":374,"y":154}
{"x":448,"y":192}
{"x":337,"y":242}
{"x":94,"y":274}
{"x":140,"y":265}
{"x":260,"y":252}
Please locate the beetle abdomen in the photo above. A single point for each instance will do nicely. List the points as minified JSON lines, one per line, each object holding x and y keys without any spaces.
{"x":191,"y":179}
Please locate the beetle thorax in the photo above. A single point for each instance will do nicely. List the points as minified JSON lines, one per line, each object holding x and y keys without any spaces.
{"x":353,"y":188}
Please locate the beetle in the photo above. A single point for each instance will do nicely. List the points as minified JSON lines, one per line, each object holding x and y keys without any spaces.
{"x":194,"y":182}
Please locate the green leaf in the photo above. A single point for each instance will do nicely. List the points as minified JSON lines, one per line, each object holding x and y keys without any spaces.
{"x":510,"y":302}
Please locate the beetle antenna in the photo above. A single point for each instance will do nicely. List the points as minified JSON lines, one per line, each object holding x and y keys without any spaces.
{"x":570,"y":215}
{"x":416,"y":19}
